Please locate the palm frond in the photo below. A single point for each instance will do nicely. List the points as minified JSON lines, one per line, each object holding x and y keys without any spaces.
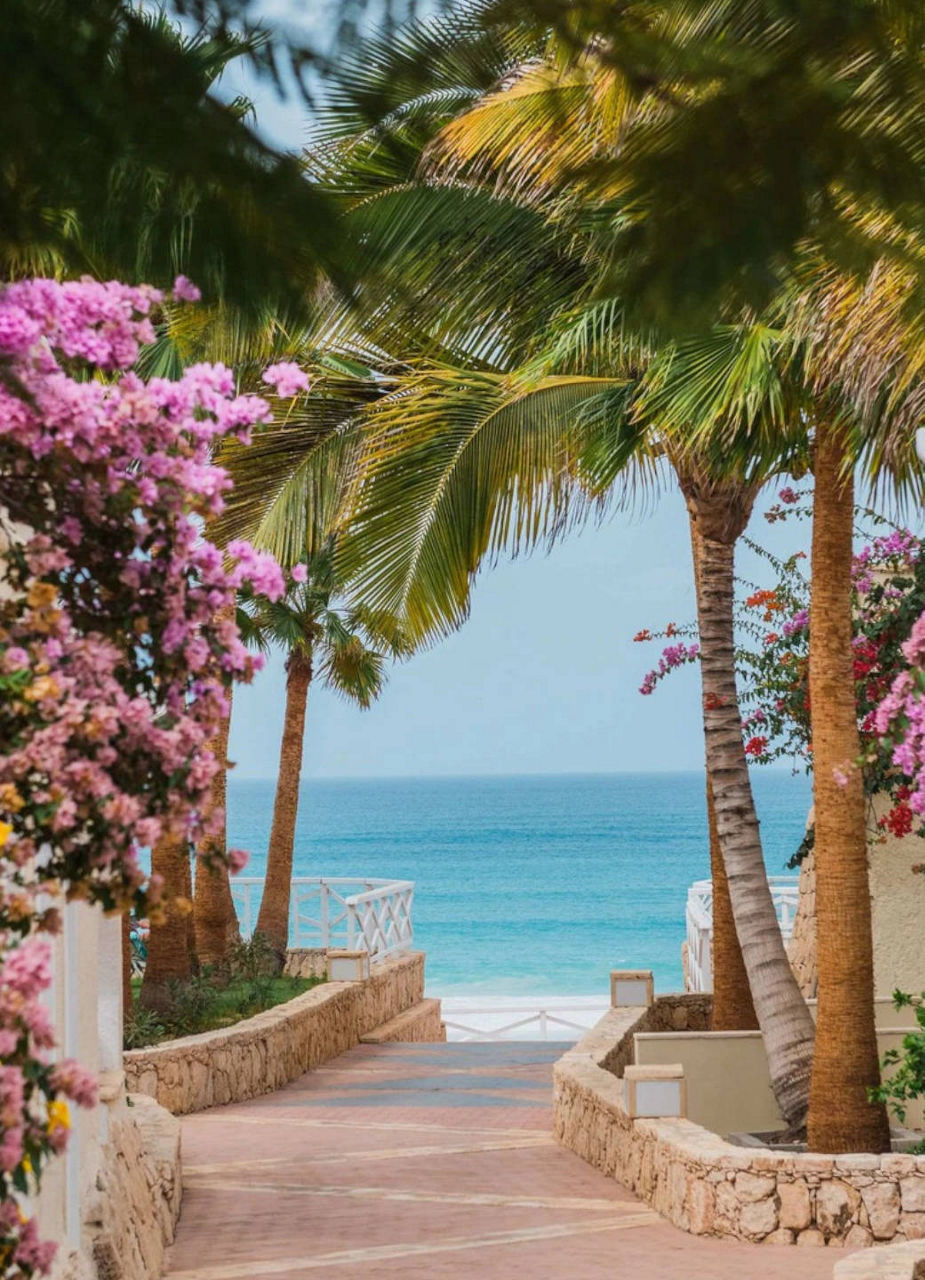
{"x":459,"y":467}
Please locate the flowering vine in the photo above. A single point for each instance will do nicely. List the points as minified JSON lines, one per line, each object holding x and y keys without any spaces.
{"x":115,"y":653}
{"x":888,"y":657}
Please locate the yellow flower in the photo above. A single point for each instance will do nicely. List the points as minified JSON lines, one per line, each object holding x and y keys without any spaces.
{"x":59,"y":1116}
{"x":27,"y":1164}
{"x":10,"y":798}
{"x":5,"y":832}
{"x":44,"y":687}
{"x":40,"y":595}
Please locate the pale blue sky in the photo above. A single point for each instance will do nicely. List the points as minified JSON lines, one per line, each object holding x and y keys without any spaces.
{"x":544,"y":676}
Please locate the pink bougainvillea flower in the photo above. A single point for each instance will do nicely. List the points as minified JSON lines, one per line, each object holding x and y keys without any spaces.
{"x":287,"y":378}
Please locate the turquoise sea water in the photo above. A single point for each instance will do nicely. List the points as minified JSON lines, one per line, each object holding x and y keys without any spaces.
{"x":524,"y":885}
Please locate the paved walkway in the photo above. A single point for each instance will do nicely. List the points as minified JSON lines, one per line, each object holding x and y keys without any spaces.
{"x":427,"y":1161}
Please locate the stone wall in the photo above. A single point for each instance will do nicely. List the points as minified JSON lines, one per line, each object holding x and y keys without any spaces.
{"x":131,"y":1209}
{"x":306,"y":962}
{"x":802,"y":945}
{"x":689,"y":1012}
{"x":265,"y":1052}
{"x":707,"y":1186}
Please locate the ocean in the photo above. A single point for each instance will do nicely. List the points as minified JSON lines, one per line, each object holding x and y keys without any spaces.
{"x":524,"y":885}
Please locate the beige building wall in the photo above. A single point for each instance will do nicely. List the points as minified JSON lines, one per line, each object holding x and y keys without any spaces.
{"x":726,"y":1073}
{"x":897,"y":915}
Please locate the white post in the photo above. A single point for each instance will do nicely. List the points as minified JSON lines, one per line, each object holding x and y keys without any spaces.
{"x":71,"y":1048}
{"x":109,"y":1000}
{"x":325,"y":927}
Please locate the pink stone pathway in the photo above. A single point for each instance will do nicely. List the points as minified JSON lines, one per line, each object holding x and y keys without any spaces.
{"x":427,"y":1161}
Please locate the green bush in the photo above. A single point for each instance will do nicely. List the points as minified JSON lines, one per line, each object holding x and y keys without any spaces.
{"x":203,"y":1005}
{"x":253,"y":959}
{"x":142,"y":1027}
{"x":908,"y":1082}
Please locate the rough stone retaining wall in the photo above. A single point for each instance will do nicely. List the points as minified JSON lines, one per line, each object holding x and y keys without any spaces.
{"x":265,"y":1052}
{"x":802,"y":946}
{"x":704,"y":1184}
{"x":131,"y":1212}
{"x":306,"y":962}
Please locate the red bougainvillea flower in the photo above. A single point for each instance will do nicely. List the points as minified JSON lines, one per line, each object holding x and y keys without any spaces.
{"x":645,"y":634}
{"x":756,"y":746}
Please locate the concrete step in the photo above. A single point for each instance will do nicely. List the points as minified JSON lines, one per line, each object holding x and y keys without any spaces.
{"x":420,"y":1024}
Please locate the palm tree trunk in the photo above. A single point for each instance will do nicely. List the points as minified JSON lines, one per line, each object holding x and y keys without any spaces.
{"x":840,"y":1116}
{"x":214,"y":918}
{"x":170,"y":953}
{"x":733,"y":1009}
{"x":721,"y":513}
{"x":273,"y":919}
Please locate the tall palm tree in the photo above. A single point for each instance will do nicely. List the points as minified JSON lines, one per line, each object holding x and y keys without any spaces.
{"x":222,"y":333}
{"x":171,"y":956}
{"x":453,"y":431}
{"x":214,"y":921}
{"x":704,"y":376}
{"x":846,"y":1064}
{"x":323,"y":642}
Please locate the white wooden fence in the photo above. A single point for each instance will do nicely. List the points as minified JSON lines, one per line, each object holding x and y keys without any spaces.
{"x":477,"y":1018}
{"x":332,"y":911}
{"x":699,"y":966}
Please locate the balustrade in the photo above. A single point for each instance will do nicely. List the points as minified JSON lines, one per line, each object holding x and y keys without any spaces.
{"x":337,"y":912}
{"x":699,"y":917}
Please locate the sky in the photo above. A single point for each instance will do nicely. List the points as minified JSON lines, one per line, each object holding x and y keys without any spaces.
{"x":544,"y":676}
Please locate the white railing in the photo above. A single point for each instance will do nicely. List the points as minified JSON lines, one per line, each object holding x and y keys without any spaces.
{"x":699,"y":962}
{"x":339,"y":912}
{"x":475,"y":1018}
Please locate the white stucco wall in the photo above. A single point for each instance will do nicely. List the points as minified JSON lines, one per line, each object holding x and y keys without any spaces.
{"x":85,"y":1002}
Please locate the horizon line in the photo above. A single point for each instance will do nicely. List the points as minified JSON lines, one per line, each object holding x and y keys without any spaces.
{"x":478,"y":777}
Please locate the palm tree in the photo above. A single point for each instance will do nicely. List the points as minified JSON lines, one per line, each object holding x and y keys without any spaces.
{"x":214,"y":921}
{"x":224,"y":334}
{"x":846,"y":1063}
{"x":171,"y":956}
{"x":749,"y":87}
{"x":704,"y":375}
{"x":322,"y":642}
{"x":452,"y":432}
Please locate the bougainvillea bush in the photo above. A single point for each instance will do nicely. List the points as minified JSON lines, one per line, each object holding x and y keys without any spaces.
{"x":114,"y":655}
{"x":889,"y":654}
